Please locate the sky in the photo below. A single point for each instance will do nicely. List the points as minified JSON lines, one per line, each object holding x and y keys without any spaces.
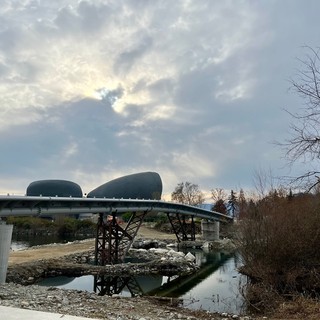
{"x":192,"y":89}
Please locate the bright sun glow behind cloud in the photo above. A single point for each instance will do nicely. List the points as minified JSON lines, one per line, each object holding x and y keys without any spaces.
{"x":115,"y":87}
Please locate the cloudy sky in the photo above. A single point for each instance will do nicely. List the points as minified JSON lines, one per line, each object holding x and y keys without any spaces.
{"x":191,"y":89}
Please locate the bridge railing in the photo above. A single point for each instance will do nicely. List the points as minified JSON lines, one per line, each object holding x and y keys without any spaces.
{"x":40,"y":205}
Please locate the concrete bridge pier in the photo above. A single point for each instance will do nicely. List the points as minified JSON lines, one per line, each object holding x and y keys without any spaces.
{"x":210,"y":230}
{"x":5,"y":243}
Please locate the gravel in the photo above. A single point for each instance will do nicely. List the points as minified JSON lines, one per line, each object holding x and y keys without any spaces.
{"x":91,"y":305}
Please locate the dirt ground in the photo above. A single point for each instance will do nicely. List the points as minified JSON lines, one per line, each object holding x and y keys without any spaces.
{"x":60,"y":250}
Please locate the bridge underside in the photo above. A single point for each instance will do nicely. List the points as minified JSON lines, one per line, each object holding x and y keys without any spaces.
{"x":113,"y":241}
{"x":183,"y":226}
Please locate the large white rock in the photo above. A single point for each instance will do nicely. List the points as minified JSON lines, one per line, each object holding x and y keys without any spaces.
{"x":190,"y":257}
{"x":174,"y":253}
{"x":158,"y":251}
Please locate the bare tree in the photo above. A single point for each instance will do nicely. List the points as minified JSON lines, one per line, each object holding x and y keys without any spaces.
{"x":263,"y":181}
{"x":187,"y":193}
{"x":218,"y":194}
{"x":304,"y":143}
{"x":219,"y":197}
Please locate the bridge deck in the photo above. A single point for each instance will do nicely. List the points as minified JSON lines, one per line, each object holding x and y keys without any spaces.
{"x":41,"y":206}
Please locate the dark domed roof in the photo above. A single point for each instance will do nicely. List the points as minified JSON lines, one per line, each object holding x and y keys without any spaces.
{"x":144,"y":185}
{"x":52,"y":188}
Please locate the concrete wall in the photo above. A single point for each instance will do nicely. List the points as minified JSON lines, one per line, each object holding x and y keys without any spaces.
{"x":5,"y":243}
{"x":210,"y":230}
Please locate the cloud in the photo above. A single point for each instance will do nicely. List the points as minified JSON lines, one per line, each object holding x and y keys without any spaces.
{"x":192,"y":89}
{"x":127,"y":59}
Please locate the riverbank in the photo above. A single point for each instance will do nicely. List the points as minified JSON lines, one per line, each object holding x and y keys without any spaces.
{"x":58,"y":250}
{"x":91,"y":305}
{"x":37,"y":259}
{"x":82,"y":303}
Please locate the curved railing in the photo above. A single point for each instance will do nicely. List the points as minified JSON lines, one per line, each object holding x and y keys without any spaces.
{"x":42,"y":206}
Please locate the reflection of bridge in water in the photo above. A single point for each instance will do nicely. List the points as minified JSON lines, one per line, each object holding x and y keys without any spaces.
{"x":153,"y":285}
{"x":135,"y":285}
{"x":210,"y":262}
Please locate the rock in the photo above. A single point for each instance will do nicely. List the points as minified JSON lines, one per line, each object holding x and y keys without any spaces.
{"x":177,"y":254}
{"x":191,"y":244}
{"x":145,"y":244}
{"x":222,"y":244}
{"x":65,"y":301}
{"x":158,"y":251}
{"x":190,"y":257}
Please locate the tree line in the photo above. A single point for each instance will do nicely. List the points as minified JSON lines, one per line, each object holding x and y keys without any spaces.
{"x":190,"y":194}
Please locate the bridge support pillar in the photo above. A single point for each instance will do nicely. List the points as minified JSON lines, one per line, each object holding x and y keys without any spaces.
{"x":210,"y":230}
{"x":5,"y":243}
{"x":184,"y":231}
{"x":112,"y":241}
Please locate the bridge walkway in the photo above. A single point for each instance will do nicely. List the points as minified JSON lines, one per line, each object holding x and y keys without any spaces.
{"x":112,"y":241}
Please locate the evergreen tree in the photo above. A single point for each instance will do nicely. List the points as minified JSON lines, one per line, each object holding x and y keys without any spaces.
{"x":232,"y":204}
{"x":243,"y":204}
{"x":290,"y":195}
{"x":219,"y":206}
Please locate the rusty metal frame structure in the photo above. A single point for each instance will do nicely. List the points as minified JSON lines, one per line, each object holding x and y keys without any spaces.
{"x":110,"y":285}
{"x":112,"y":241}
{"x":184,"y":227}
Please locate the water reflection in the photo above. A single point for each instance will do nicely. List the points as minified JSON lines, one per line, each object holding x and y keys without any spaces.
{"x":80,"y":283}
{"x":215,"y":287}
{"x":208,"y":263}
{"x":219,"y":291}
{"x":21,"y":242}
{"x":128,"y":286}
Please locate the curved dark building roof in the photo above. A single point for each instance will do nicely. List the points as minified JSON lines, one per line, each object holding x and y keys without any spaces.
{"x":52,"y":188}
{"x":144,"y":185}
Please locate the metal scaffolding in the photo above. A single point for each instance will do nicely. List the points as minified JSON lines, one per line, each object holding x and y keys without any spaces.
{"x":183,"y":227}
{"x":112,"y":241}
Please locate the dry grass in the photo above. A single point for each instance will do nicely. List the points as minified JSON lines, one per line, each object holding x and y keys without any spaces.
{"x":298,"y":308}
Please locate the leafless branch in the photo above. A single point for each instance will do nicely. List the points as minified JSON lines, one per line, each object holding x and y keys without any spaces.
{"x":304,"y":142}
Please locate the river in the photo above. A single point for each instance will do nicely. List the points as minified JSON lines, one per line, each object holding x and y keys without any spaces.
{"x":216,"y":287}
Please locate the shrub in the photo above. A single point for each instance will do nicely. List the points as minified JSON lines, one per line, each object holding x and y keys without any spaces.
{"x":29,"y":222}
{"x":161,"y":220}
{"x":126,"y":216}
{"x":279,"y":240}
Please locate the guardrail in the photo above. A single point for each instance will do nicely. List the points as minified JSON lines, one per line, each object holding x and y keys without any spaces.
{"x":43,"y":206}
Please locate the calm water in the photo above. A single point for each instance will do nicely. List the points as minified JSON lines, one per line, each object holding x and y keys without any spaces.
{"x":218,"y":291}
{"x":215,"y":287}
{"x":23,"y":241}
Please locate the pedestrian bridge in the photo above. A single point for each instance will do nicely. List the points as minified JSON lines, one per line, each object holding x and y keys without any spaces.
{"x":43,"y":206}
{"x":113,"y":240}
